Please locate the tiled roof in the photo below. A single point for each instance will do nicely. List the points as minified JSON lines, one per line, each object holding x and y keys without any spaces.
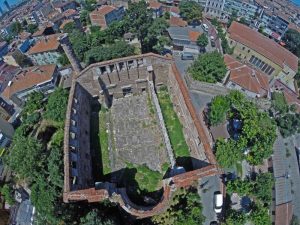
{"x":283,"y":214}
{"x":193,"y":35}
{"x":247,"y":77}
{"x":154,"y":5}
{"x":103,"y":10}
{"x":27,"y":79}
{"x":69,"y":12}
{"x":48,"y":43}
{"x":177,"y":22}
{"x":263,"y":45}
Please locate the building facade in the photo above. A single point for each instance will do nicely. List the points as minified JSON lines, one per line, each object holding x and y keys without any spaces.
{"x":105,"y":15}
{"x":3,"y":48}
{"x":46,"y":51}
{"x":266,"y":55}
{"x":245,"y":9}
{"x":215,"y":8}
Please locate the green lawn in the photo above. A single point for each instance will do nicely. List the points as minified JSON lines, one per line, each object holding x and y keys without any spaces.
{"x":173,"y":125}
{"x":103,"y":139}
{"x":145,"y":178}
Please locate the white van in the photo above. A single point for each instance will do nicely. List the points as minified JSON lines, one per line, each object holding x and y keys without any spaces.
{"x":218,"y":201}
{"x":205,"y":27}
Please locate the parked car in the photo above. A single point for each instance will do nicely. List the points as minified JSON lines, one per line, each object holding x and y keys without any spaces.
{"x":205,"y":27}
{"x":187,"y":56}
{"x":212,"y":43}
{"x":218,"y":201}
{"x":166,"y":52}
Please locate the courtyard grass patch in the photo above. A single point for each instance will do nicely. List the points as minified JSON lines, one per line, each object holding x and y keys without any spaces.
{"x":103,"y":139}
{"x":173,"y":125}
{"x":143,"y":177}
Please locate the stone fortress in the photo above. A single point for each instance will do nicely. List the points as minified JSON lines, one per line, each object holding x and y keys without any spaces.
{"x":108,"y":83}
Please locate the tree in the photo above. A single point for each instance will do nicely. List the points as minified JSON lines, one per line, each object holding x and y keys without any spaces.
{"x":234,"y":217}
{"x":227,"y":153}
{"x":84,"y":17}
{"x":262,"y":189}
{"x":79,"y":43}
{"x":26,"y":157}
{"x":295,"y":220}
{"x":117,"y":50}
{"x":22,"y":60}
{"x":241,"y":187}
{"x":292,"y":40}
{"x":33,"y":103}
{"x":260,"y":215}
{"x":233,"y":17}
{"x":7,"y":192}
{"x":167,"y":15}
{"x":31,"y":28}
{"x":190,"y":11}
{"x":93,"y":218}
{"x":279,"y":103}
{"x":218,"y":109}
{"x":137,"y":20}
{"x":57,"y":105}
{"x":202,"y":41}
{"x":16,"y":28}
{"x":209,"y":67}
{"x":69,"y":27}
{"x":185,"y":208}
{"x":63,"y":60}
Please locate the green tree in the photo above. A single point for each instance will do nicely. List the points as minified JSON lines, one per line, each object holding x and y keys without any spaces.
{"x":84,"y":17}
{"x":167,"y":15}
{"x":209,"y":67}
{"x":202,"y":41}
{"x":185,"y":208}
{"x":8,"y":193}
{"x":241,"y":187}
{"x":295,"y":220}
{"x":117,"y":50}
{"x":260,"y":215}
{"x":137,"y":20}
{"x":57,"y":105}
{"x":79,"y":43}
{"x":22,"y":60}
{"x":31,"y":28}
{"x":190,"y":11}
{"x":93,"y":218}
{"x":33,"y":103}
{"x":233,"y":17}
{"x":69,"y":27}
{"x":263,"y":187}
{"x":218,"y":109}
{"x":227,"y":153}
{"x":292,"y":40}
{"x":23,"y":155}
{"x":16,"y":28}
{"x":63,"y":60}
{"x":234,"y":217}
{"x":279,"y":103}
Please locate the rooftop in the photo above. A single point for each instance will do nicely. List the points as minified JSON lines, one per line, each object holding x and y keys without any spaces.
{"x":247,"y":77}
{"x":103,"y":10}
{"x":177,"y":22}
{"x":183,"y":33}
{"x":154,"y":5}
{"x":3,"y":43}
{"x":48,"y":43}
{"x":263,"y":45}
{"x":28,"y":78}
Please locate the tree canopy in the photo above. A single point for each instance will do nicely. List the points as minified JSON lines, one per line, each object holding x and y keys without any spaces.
{"x":257,"y":135}
{"x":208,"y":67}
{"x":93,"y":218}
{"x":185,"y":209}
{"x":57,"y":105}
{"x":190,"y":11}
{"x":202,"y":40}
{"x":292,"y":40}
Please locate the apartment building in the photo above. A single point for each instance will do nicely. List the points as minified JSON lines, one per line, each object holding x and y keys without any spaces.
{"x":105,"y":15}
{"x":46,"y":51}
{"x":37,"y":78}
{"x":261,"y":52}
{"x":215,"y":8}
{"x":244,"y":8}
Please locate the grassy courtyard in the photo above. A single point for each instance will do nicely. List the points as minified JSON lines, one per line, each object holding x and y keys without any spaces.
{"x":103,"y":138}
{"x":173,"y":125}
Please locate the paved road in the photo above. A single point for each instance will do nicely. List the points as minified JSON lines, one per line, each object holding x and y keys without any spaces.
{"x":213,"y":32}
{"x":207,"y":187}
